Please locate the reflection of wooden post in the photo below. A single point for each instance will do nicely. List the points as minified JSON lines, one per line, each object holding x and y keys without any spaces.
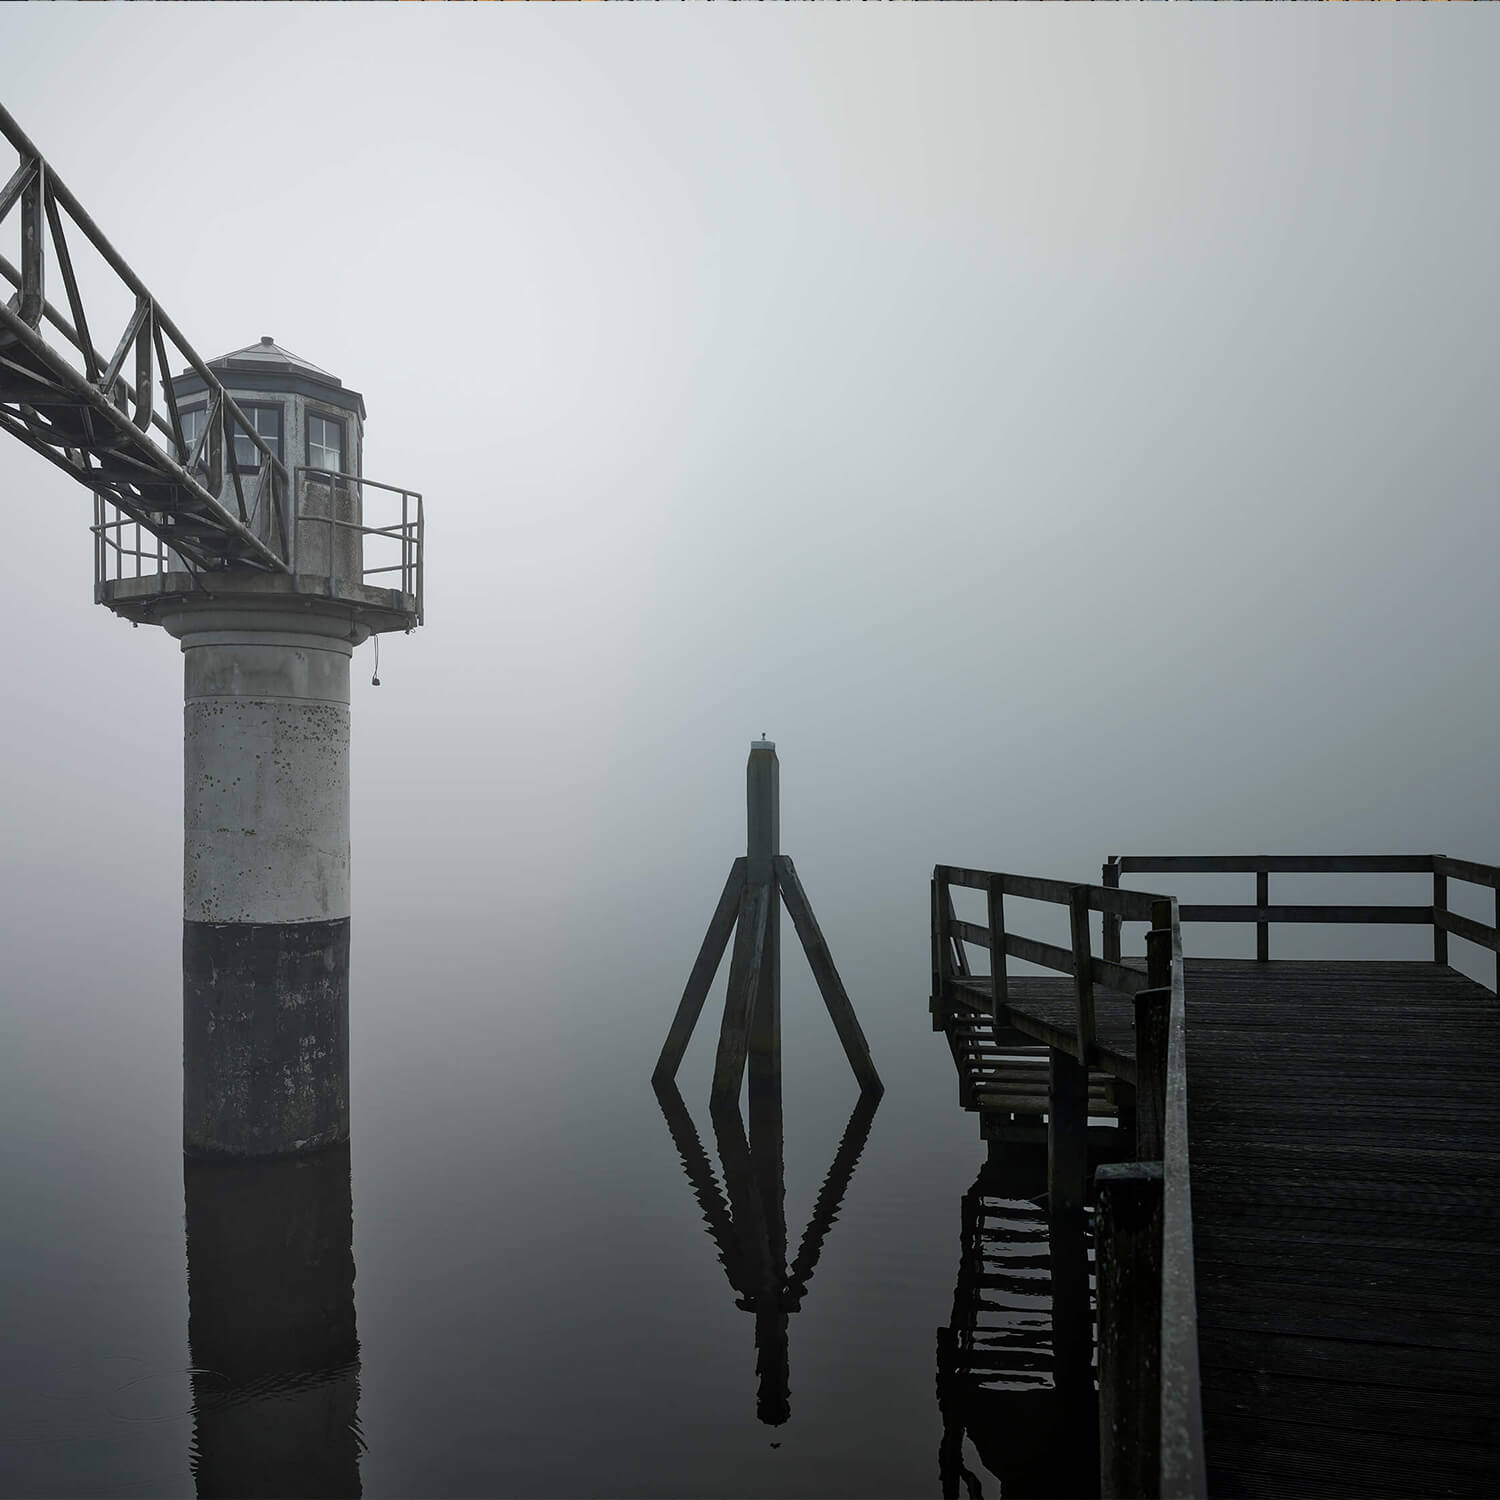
{"x":749,"y":1228}
{"x":751,"y":904}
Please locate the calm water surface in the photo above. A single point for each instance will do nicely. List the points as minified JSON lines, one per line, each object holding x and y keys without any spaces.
{"x":529,"y":1274}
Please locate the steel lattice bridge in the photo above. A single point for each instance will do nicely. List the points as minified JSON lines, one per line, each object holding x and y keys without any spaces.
{"x":96,"y":416}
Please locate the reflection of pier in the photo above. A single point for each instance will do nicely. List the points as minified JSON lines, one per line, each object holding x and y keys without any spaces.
{"x":271,"y":1327}
{"x":747,"y":1219}
{"x":1015,"y":1365}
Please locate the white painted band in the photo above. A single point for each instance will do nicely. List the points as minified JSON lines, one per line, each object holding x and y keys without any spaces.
{"x":265,"y":780}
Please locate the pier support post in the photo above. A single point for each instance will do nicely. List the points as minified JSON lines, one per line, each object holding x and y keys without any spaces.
{"x":1127,"y":1263}
{"x":265,"y":949}
{"x":1067,"y":1134}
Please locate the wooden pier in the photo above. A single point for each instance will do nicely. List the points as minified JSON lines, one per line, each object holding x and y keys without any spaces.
{"x":1298,"y":1272}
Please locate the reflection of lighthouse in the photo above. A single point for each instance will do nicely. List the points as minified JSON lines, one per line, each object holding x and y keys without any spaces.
{"x":271,"y":1327}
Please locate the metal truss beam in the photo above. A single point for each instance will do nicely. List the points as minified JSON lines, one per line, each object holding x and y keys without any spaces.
{"x":97,"y":418}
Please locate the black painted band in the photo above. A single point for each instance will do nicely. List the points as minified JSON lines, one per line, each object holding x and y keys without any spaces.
{"x":265,"y":1037}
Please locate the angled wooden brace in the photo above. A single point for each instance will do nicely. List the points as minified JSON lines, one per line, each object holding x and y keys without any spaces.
{"x":840,"y":1011}
{"x":739,"y":1005}
{"x":704,"y":968}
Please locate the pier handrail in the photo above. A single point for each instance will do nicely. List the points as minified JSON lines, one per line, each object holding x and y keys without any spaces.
{"x":1076,"y":961}
{"x":1181,"y":1456}
{"x":1262,"y":913}
{"x":1155,"y":1256}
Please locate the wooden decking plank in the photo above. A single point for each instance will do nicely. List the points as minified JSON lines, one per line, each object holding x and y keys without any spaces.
{"x":1395,"y":1284}
{"x":1450,"y":1416}
{"x":1246,"y":1310}
{"x":1308,"y":1457}
{"x":1422,"y":1371}
{"x":1226,"y":1483}
{"x":1339,"y":1242}
{"x":1345,"y":1105}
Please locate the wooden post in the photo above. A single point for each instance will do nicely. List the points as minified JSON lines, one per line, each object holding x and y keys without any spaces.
{"x":751,"y":903}
{"x":1439,"y":911}
{"x":959,"y":952}
{"x":1067,"y":1134}
{"x":1083,"y":970}
{"x":1152,"y":1009}
{"x":937,"y":1003}
{"x":762,"y":845}
{"x":1262,"y":927}
{"x":1127,"y":1264}
{"x":942,"y":942}
{"x":744,"y":985}
{"x":995,"y":897}
{"x":1111,"y":919}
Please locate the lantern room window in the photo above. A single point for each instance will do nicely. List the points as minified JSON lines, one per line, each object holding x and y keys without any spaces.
{"x":194,"y":420}
{"x":325,"y":443}
{"x":267,"y":423}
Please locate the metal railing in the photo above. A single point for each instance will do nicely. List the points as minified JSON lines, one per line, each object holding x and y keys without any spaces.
{"x":385,"y":555}
{"x":398,"y":543}
{"x":123,"y":547}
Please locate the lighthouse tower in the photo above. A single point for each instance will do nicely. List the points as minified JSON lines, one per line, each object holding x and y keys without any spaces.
{"x":266,"y":655}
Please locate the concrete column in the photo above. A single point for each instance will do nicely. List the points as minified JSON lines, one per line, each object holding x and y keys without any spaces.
{"x":265,"y":949}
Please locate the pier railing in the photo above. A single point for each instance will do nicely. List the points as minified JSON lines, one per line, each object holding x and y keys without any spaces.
{"x":1436,"y":915}
{"x":1077,"y":961}
{"x":1151,"y":1421}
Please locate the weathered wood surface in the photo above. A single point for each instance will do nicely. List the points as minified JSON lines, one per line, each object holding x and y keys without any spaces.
{"x":739,"y":1003}
{"x":830,"y":986}
{"x":705,"y":966}
{"x":1004,"y":1071}
{"x":1046,"y":1010}
{"x":1344,"y":1121}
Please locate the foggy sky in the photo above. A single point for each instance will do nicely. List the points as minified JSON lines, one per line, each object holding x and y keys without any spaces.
{"x":1064,"y":431}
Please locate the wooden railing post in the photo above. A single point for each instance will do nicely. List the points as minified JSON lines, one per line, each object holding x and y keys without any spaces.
{"x":1112,"y":919}
{"x":995,"y":899}
{"x":1439,"y":911}
{"x":1262,"y":927}
{"x":941,"y":947}
{"x":1083,"y":970}
{"x":1127,"y":1266}
{"x":1152,"y":1011}
{"x":957,"y":952}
